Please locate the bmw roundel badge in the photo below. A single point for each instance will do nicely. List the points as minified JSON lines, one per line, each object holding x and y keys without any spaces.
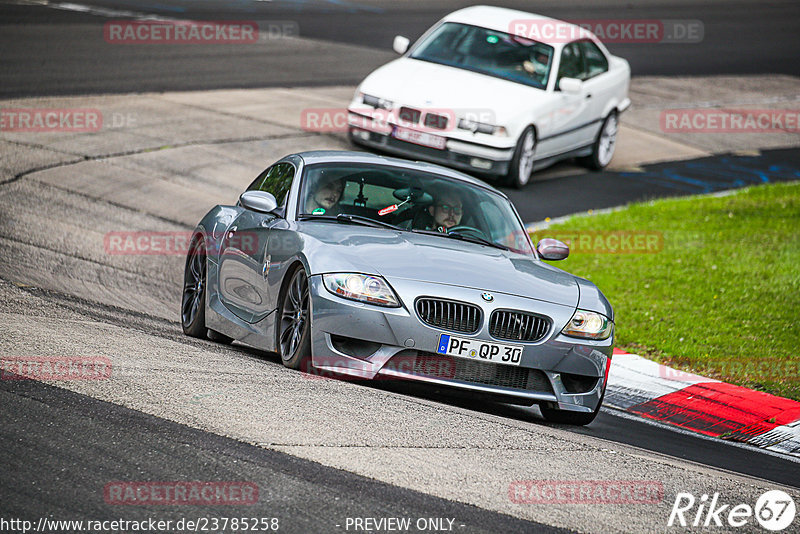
{"x":488,"y":297}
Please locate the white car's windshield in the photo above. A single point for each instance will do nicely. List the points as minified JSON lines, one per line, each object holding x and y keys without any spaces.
{"x":411,"y":200}
{"x":488,"y":52}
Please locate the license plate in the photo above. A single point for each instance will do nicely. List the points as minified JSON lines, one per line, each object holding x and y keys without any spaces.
{"x":476,"y":349}
{"x":419,"y":138}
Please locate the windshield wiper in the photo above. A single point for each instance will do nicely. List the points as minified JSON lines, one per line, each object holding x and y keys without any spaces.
{"x":366,"y":221}
{"x":346,"y":218}
{"x":461,"y":237}
{"x":310,"y":217}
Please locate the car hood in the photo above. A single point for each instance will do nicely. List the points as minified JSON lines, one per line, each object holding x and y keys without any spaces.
{"x":439,"y":260}
{"x":434,"y":87}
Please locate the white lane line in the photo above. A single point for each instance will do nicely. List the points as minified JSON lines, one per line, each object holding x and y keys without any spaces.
{"x":95,"y":10}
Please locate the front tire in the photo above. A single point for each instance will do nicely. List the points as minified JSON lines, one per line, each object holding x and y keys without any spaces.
{"x":294,"y":326}
{"x":604,"y":144}
{"x":519,"y":172}
{"x":193,"y":301}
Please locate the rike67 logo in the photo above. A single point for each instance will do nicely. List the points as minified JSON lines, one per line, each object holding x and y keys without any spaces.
{"x":774,"y":510}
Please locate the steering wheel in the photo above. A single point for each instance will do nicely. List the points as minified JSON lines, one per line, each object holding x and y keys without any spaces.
{"x":468,"y":231}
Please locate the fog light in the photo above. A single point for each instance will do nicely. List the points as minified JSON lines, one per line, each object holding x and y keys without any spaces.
{"x":480,"y":163}
{"x":361,"y":134}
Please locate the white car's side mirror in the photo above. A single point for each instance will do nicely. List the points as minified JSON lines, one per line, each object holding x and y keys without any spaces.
{"x":571,"y":86}
{"x":400,"y":44}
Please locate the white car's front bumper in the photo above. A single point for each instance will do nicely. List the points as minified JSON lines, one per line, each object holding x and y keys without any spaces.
{"x":465,"y":155}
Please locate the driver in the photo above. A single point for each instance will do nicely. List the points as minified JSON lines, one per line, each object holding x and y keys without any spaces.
{"x":537,"y":65}
{"x":447,"y":211}
{"x":324,"y":195}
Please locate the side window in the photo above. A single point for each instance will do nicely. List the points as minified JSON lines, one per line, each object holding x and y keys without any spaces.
{"x":276,"y":180}
{"x":571,"y":63}
{"x":596,"y":62}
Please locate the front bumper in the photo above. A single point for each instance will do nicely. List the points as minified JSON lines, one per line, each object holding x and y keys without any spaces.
{"x":369,"y":342}
{"x":459,"y":154}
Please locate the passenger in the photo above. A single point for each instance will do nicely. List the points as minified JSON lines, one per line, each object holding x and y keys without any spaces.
{"x":324,"y":195}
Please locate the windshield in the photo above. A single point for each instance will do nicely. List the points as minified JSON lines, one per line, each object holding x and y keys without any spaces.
{"x":411,"y":200}
{"x":489,"y":52}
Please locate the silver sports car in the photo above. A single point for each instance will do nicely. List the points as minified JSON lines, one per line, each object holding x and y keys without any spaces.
{"x":375,"y":267}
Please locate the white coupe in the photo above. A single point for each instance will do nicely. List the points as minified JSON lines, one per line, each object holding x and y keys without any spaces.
{"x":495,"y":91}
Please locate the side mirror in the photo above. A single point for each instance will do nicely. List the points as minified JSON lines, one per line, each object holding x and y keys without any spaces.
{"x":571,"y":86}
{"x":552,"y":249}
{"x":260,"y":201}
{"x":400,"y":44}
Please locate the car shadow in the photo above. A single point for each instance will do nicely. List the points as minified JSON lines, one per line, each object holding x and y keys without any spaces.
{"x":466,"y":400}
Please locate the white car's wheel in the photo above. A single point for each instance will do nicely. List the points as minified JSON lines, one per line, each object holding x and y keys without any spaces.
{"x":519,"y":172}
{"x":603,"y":148}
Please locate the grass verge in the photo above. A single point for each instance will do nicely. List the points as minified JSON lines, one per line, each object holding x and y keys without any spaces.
{"x":710,"y":286}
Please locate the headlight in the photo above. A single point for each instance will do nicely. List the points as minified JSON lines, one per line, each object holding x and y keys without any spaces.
{"x":589,"y":325}
{"x":361,"y":287}
{"x":482,"y":127}
{"x":375,"y":102}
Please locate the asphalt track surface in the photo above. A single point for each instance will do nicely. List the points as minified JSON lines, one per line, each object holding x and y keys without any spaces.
{"x":599,"y":190}
{"x":103,"y":442}
{"x":48,"y":51}
{"x":126,"y":444}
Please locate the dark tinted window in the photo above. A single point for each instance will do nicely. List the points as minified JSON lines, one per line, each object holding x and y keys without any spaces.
{"x":596,"y":62}
{"x":276,"y":180}
{"x":408,"y":199}
{"x":571,"y":63}
{"x":489,"y":52}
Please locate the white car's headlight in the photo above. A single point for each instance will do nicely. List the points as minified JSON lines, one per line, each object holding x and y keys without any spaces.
{"x":589,"y":325}
{"x":375,"y":102}
{"x":482,"y":127}
{"x":361,"y":287}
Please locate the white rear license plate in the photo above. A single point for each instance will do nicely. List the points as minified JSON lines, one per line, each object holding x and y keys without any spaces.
{"x":476,"y":349}
{"x":419,"y":138}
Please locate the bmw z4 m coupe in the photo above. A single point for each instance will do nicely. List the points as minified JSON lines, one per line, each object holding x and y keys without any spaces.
{"x":373,"y":267}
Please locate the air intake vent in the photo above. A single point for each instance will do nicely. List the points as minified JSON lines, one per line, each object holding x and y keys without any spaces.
{"x":433,"y":120}
{"x":410,"y":115}
{"x":450,"y":368}
{"x":517,"y":326}
{"x":449,"y":315}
